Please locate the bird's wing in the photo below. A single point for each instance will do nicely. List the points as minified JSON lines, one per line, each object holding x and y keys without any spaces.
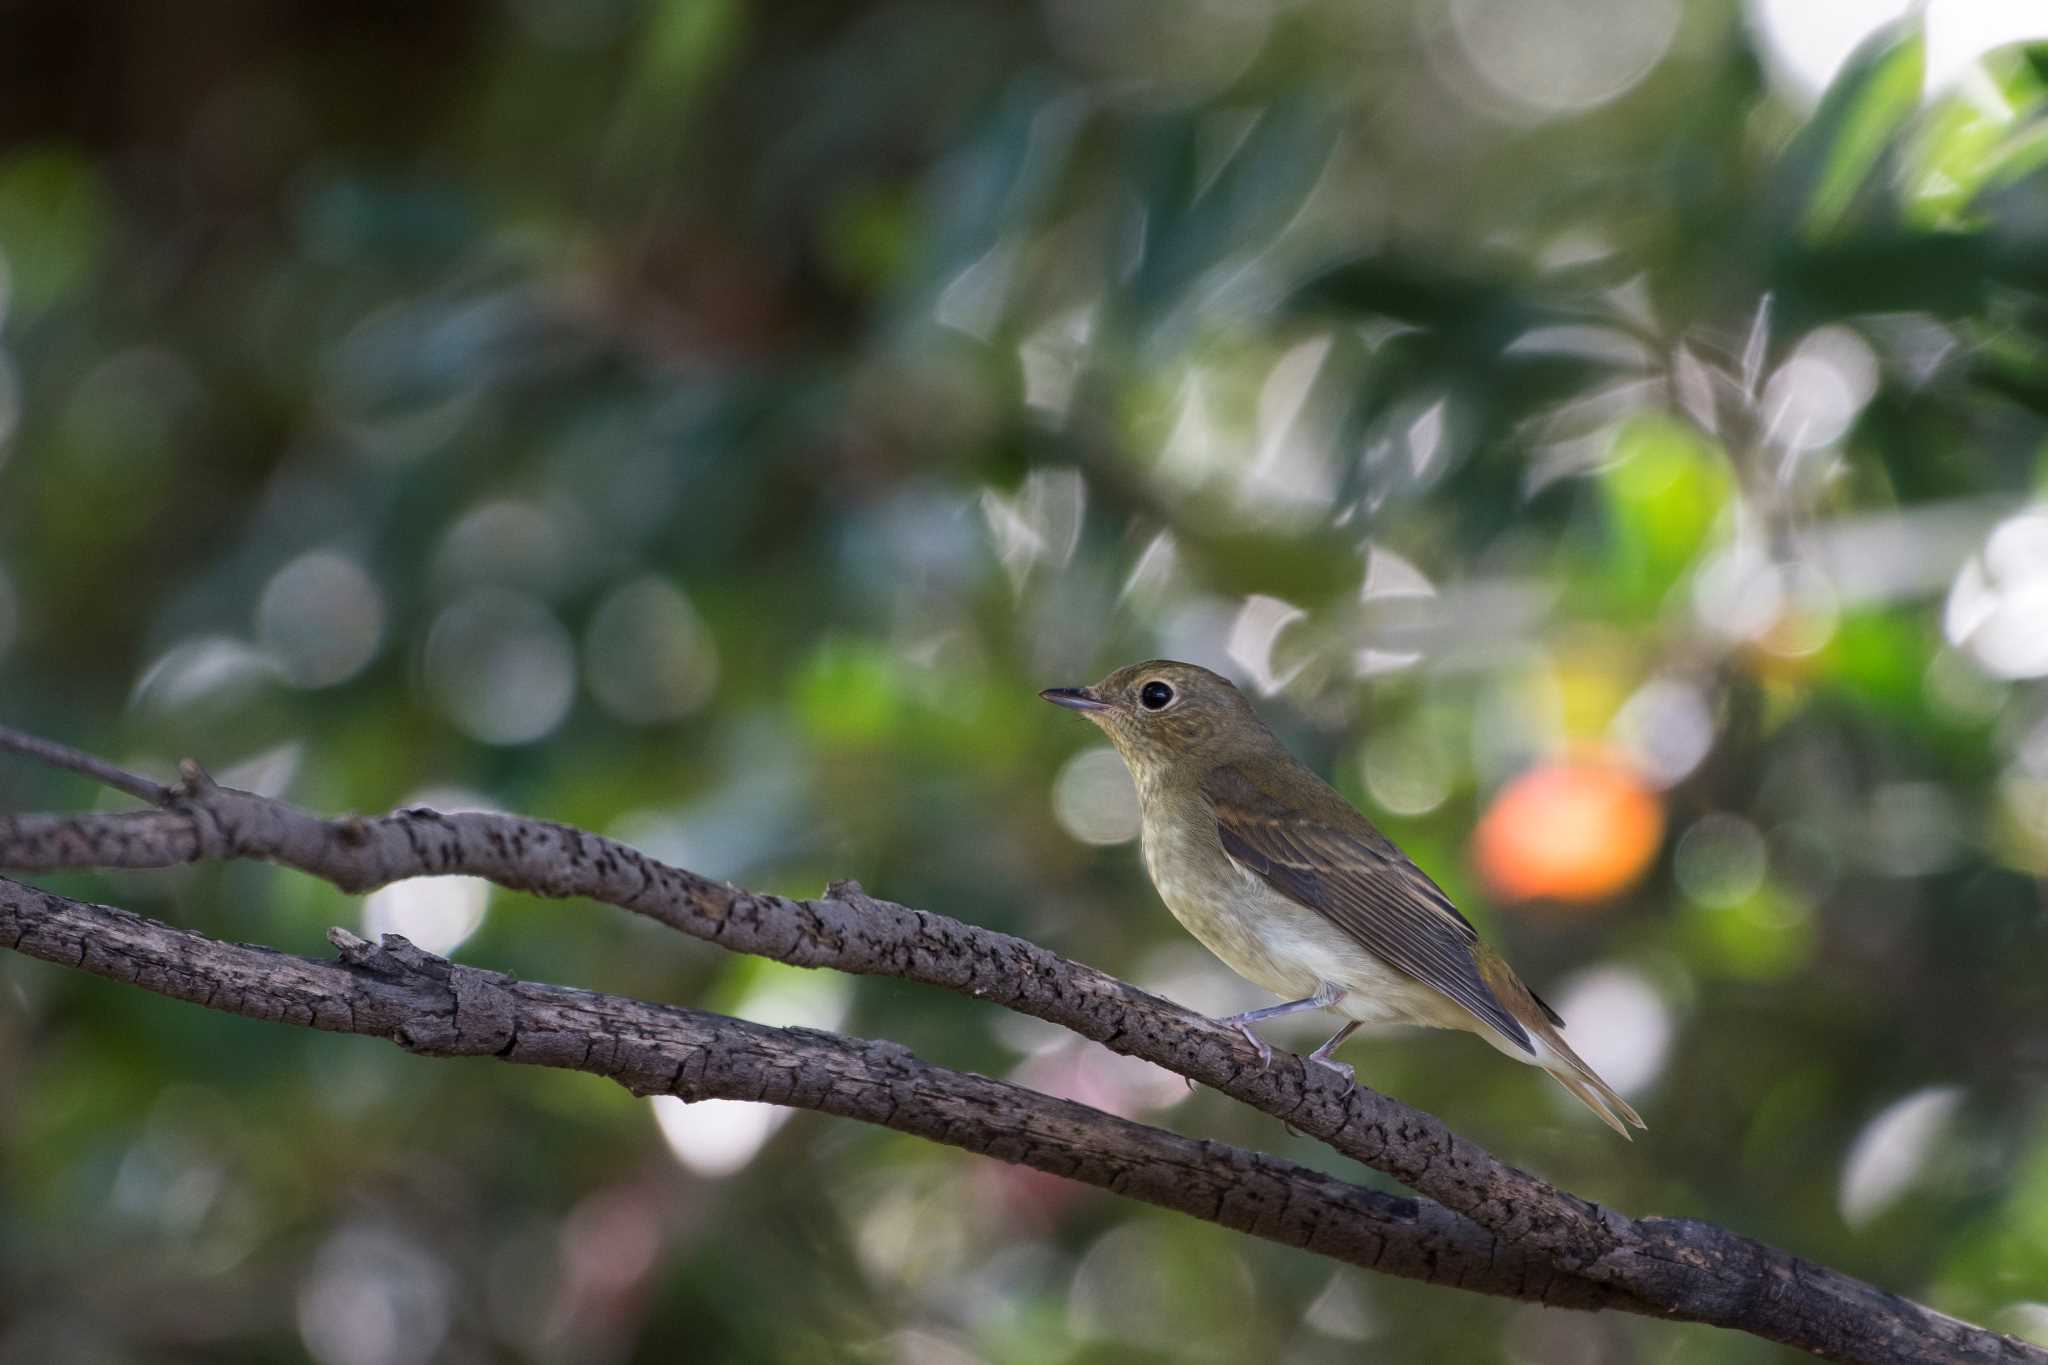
{"x":1356,"y":878}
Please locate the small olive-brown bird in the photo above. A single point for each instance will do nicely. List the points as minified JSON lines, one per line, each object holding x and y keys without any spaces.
{"x":1296,"y":891}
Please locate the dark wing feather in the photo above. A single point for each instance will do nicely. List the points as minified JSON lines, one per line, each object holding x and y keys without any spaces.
{"x":1360,"y":882}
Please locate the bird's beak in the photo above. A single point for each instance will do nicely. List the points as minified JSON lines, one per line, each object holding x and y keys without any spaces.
{"x":1075,"y":698}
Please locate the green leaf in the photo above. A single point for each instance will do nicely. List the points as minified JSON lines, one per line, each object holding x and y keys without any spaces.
{"x":1767,"y":937}
{"x":1664,"y":493}
{"x":1881,"y":657}
{"x":850,"y":694}
{"x":1859,"y":120}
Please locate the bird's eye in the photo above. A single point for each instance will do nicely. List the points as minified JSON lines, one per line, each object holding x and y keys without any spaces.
{"x":1155,"y":696}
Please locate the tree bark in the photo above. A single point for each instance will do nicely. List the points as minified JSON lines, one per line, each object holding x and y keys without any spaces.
{"x":436,"y":1008}
{"x":1679,"y":1268}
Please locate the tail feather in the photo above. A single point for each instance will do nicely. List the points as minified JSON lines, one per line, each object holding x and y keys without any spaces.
{"x":1553,"y":1054}
{"x":1596,"y":1094}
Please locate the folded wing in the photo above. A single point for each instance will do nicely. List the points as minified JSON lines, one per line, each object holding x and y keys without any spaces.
{"x":1353,"y":876}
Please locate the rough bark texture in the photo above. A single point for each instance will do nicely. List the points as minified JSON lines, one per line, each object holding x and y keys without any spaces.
{"x":436,"y":1008}
{"x":1673,"y":1267}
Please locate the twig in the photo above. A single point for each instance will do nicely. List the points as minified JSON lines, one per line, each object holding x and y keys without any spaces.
{"x":74,"y":760}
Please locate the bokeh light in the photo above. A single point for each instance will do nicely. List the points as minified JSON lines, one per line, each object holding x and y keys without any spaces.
{"x":268,"y":772}
{"x":321,"y":619}
{"x":1666,"y":729}
{"x":1809,"y":41}
{"x":1136,"y":1285}
{"x":1721,"y":860}
{"x":374,"y":1297}
{"x":1254,"y":642}
{"x":1344,"y":1311}
{"x":648,"y":656}
{"x":1039,"y":524}
{"x":1998,"y":609}
{"x":501,"y":666}
{"x":218,"y":669}
{"x":1094,"y":800}
{"x":1289,"y":475}
{"x":1553,"y":57}
{"x":436,"y":913}
{"x":608,"y":1247}
{"x":717,"y":1138}
{"x":1619,"y":1022}
{"x":714,"y":1138}
{"x":511,"y":541}
{"x":1740,"y":592}
{"x":1913,"y":829}
{"x":1408,"y":771}
{"x":1813,"y":397}
{"x":127,"y":407}
{"x":1573,"y":832}
{"x":2026,"y":1319}
{"x":1129,"y":1087}
{"x":1892,"y":1151}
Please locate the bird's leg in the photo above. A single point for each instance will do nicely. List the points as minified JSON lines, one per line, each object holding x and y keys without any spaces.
{"x":1322,"y":1057}
{"x":1326,"y":995}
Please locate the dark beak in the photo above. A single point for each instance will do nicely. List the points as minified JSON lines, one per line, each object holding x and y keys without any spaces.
{"x":1074,"y":698}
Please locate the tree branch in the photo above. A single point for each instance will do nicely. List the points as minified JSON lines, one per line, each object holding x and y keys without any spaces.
{"x":74,"y":760}
{"x":436,"y":1008}
{"x":847,"y":930}
{"x":1679,"y":1267}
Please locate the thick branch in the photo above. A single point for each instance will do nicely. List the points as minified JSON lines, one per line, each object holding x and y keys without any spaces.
{"x":1682,"y":1268}
{"x":430,"y":1006}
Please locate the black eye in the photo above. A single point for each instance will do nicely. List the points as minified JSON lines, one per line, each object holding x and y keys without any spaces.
{"x":1155,"y":696}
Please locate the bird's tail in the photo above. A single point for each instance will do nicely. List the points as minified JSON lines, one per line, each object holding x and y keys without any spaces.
{"x":1552,"y":1053}
{"x":1564,"y":1066}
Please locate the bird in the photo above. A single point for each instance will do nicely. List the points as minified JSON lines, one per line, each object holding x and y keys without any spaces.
{"x":1298,"y":892}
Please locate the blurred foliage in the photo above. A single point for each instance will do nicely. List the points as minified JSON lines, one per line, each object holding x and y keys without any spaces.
{"x":710,"y":422}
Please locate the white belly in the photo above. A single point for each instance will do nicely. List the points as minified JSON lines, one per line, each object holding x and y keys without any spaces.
{"x":1280,"y":945}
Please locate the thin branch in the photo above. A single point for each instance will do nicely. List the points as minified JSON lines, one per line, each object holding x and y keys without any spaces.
{"x":435,"y":1008}
{"x":74,"y":760}
{"x":847,"y":930}
{"x":1683,"y":1268}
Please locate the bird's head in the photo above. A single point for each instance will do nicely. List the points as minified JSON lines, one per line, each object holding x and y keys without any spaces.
{"x":1161,"y":715}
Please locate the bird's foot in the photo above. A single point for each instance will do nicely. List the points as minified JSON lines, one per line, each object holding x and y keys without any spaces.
{"x":1321,"y":1056}
{"x":1265,"y":1048}
{"x":1343,"y":1069}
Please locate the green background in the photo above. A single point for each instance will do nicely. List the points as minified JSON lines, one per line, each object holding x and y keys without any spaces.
{"x":711,"y":422}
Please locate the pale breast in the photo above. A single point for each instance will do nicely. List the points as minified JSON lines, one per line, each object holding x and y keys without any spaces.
{"x":1272,"y":941}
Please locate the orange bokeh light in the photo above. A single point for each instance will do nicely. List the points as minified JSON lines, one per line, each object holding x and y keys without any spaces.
{"x":1569,"y":831}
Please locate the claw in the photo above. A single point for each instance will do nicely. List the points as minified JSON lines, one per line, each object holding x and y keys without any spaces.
{"x":1265,"y":1048}
{"x":1321,"y":1056}
{"x":1343,"y":1069}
